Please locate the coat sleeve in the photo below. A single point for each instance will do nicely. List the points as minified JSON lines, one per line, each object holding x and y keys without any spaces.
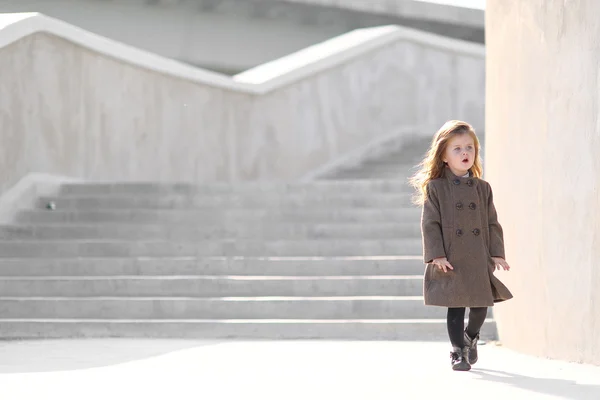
{"x":496,"y":233}
{"x":431,"y":227}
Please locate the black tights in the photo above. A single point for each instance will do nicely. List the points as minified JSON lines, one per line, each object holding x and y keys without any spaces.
{"x":456,"y":323}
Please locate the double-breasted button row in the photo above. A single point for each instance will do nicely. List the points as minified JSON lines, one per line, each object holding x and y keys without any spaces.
{"x":476,"y":232}
{"x":457,"y":182}
{"x":459,"y":206}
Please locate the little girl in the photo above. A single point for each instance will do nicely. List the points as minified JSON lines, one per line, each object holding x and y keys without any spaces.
{"x":462,"y":238}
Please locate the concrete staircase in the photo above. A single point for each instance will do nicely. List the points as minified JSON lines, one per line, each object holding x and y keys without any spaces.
{"x":394,"y":165}
{"x":326,"y":259}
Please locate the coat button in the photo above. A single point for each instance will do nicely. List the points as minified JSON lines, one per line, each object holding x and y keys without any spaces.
{"x":476,"y":232}
{"x":472,"y":206}
{"x":470,"y":182}
{"x":456,"y":181}
{"x":459,"y":232}
{"x":459,"y":206}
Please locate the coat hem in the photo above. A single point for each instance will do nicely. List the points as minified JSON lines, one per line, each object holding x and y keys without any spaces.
{"x":459,"y":305}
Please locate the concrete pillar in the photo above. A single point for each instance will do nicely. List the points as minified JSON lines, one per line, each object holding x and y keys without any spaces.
{"x":543,"y":161}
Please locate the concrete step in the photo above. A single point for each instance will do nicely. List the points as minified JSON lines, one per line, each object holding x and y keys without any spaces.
{"x":263,"y":200}
{"x":402,"y":164}
{"x":139,"y":188}
{"x":241,"y":216}
{"x":218,"y":231}
{"x":337,"y":307}
{"x":385,"y":167}
{"x":395,"y":166}
{"x":367,"y":173}
{"x":388,"y":168}
{"x":212,"y":286}
{"x":236,"y":266}
{"x":112,"y":248}
{"x":349,"y":329}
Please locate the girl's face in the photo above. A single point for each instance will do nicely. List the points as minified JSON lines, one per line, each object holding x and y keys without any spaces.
{"x":460,"y":154}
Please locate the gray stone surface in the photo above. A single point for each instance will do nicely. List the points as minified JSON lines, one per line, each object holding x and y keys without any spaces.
{"x":311,"y":260}
{"x":199,"y":266}
{"x":295,"y":370}
{"x":178,"y":232}
{"x":394,"y":164}
{"x":323,"y":259}
{"x":231,"y":36}
{"x":182,"y":124}
{"x":279,"y":329}
{"x":459,"y":12}
{"x":26,"y":193}
{"x":212,"y":286}
{"x":239,"y":216}
{"x":260,"y":201}
{"x":227,"y":43}
{"x":549,"y":213}
{"x":224,"y":247}
{"x":223,"y":308}
{"x":443,"y":19}
{"x":266,"y":189}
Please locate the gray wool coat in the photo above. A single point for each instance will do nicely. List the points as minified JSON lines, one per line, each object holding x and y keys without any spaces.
{"x":459,"y":222}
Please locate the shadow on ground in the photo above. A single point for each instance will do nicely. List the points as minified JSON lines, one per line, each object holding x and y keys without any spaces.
{"x":69,"y":355}
{"x":564,"y":388}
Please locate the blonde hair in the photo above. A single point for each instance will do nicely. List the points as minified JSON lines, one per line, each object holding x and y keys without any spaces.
{"x":432,"y":166}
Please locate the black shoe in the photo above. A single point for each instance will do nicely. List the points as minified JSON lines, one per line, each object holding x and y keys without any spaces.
{"x":460,"y":359}
{"x":472,"y":345}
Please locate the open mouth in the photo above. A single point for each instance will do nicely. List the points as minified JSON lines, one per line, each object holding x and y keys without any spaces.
{"x":465,"y":160}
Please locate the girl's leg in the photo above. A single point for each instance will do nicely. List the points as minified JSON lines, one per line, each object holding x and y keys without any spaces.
{"x":456,"y":326}
{"x":456,"y":330}
{"x":476,"y":319}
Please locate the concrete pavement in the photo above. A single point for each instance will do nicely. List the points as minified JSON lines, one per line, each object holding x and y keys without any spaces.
{"x":231,"y":370}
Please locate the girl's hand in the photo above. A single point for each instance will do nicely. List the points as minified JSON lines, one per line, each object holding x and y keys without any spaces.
{"x":501,"y":263}
{"x":443,"y":264}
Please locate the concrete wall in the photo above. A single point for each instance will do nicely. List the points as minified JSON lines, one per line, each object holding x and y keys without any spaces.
{"x":442,"y":17}
{"x":230,"y":36}
{"x":184,"y":31}
{"x":76,"y":104}
{"x":543,"y":138}
{"x":467,"y":12}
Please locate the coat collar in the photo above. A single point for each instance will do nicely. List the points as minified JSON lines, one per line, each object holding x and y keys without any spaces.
{"x":458,"y":180}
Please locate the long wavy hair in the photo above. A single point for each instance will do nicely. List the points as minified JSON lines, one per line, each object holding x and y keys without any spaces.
{"x":432,"y":166}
